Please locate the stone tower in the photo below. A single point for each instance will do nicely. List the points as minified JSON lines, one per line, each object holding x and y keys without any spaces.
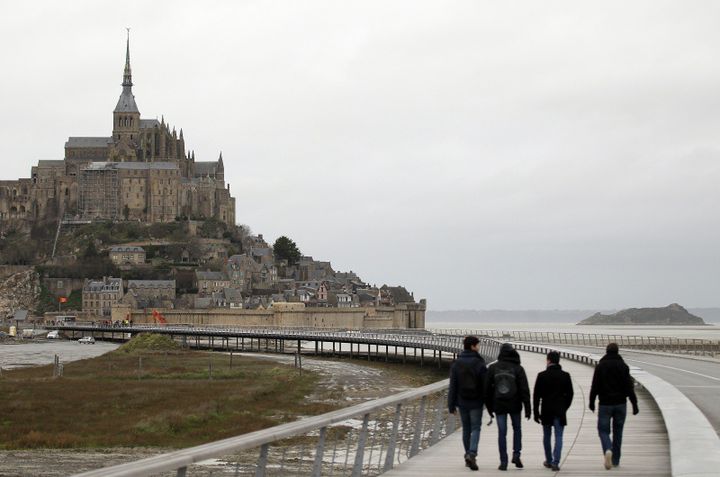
{"x":126,"y":117}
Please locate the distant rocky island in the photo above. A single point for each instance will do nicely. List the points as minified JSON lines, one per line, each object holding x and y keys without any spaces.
{"x":670,"y":315}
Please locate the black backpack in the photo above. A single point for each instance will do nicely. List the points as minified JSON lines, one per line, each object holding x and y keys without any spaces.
{"x":469,"y":383}
{"x":505,"y":384}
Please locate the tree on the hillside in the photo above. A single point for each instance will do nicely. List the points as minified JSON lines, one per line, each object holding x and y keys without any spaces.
{"x":90,"y":251}
{"x":286,"y":249}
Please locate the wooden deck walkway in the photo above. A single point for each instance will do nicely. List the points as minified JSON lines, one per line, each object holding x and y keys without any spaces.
{"x":645,"y":450}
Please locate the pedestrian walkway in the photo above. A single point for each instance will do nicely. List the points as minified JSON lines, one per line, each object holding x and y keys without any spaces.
{"x":645,"y":450}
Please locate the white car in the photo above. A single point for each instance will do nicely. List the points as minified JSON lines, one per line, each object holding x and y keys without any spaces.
{"x":86,"y":340}
{"x":53,"y":335}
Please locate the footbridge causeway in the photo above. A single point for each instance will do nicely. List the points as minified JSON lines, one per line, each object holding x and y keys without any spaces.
{"x":411,"y":433}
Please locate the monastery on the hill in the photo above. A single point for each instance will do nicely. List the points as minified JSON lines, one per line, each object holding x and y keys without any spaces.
{"x":141,"y":172}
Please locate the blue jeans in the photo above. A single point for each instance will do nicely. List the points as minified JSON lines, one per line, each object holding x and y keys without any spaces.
{"x":616,"y":413}
{"x":552,"y":456}
{"x":471,"y":422}
{"x":502,"y":435}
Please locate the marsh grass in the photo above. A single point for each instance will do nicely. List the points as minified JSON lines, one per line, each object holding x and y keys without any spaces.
{"x":173,"y":398}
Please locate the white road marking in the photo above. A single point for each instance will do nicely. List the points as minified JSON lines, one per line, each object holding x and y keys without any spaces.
{"x":691,"y":386}
{"x":676,"y":369}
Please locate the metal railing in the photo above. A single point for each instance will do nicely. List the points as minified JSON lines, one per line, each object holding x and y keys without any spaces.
{"x":363,"y":440}
{"x":668,"y":344}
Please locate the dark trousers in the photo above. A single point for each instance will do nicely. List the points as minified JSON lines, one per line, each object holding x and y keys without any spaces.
{"x":552,"y":456}
{"x":615,"y":413}
{"x":502,"y":435}
{"x":471,"y":423}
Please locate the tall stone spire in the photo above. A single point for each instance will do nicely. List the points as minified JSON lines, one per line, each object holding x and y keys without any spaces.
{"x":126,"y":103}
{"x":127,"y":76}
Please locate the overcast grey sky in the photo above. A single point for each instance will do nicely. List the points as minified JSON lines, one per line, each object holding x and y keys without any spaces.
{"x":483,"y":154}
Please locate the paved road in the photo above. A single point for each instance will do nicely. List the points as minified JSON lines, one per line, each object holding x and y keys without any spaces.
{"x":698,"y":380}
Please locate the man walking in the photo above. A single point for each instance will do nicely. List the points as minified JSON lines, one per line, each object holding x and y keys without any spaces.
{"x":552,"y":397}
{"x":613,"y":384}
{"x":467,"y":377}
{"x":506,"y":391}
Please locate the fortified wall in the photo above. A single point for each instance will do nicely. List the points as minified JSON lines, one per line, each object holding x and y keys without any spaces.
{"x":404,"y":316}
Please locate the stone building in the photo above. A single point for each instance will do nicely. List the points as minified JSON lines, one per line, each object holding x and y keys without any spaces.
{"x":127,"y":255}
{"x":208,"y":282}
{"x":140,"y":172}
{"x":153,"y":288}
{"x":99,"y":296}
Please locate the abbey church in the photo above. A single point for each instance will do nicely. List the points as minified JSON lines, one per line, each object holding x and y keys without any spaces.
{"x":142,"y":172}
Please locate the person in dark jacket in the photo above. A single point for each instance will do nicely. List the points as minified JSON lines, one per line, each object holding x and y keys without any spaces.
{"x":552,"y":397}
{"x":506,"y":392}
{"x":467,"y":377}
{"x":613,"y":385}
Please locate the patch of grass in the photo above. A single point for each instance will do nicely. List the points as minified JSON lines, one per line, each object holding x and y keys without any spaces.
{"x":144,"y":342}
{"x":156,"y":398}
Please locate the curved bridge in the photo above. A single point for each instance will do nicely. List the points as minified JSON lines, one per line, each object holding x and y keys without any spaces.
{"x":276,"y":339}
{"x":380,"y":436}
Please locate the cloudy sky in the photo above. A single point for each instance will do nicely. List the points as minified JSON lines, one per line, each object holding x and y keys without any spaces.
{"x":483,"y":154}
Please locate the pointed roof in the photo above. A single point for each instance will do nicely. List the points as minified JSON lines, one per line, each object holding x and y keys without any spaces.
{"x":126,"y":103}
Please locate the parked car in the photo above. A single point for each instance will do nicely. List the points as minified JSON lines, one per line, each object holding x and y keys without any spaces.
{"x":53,"y":335}
{"x":86,"y":340}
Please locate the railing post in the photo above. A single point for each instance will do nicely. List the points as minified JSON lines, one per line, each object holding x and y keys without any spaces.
{"x":393,"y":439}
{"x":415,"y":448}
{"x":182,"y":472}
{"x":437,"y":423}
{"x":262,"y":461}
{"x":451,"y":423}
{"x":360,"y":453}
{"x":317,"y":465}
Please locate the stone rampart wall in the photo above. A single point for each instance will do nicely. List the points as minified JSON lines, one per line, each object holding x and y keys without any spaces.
{"x":399,"y":317}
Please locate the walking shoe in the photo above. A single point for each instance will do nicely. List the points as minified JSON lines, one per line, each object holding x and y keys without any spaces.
{"x":555,"y":468}
{"x":472,"y":464}
{"x":608,"y":459}
{"x":546,"y":465}
{"x":467,"y":460}
{"x":516,"y":460}
{"x":502,"y":467}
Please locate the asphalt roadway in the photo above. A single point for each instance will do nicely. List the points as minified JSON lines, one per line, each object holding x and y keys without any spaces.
{"x":698,"y":379}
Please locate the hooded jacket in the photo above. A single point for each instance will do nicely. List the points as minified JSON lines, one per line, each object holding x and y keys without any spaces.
{"x":508,"y":361}
{"x":476,"y":364}
{"x":612,"y":382}
{"x":552,"y":395}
